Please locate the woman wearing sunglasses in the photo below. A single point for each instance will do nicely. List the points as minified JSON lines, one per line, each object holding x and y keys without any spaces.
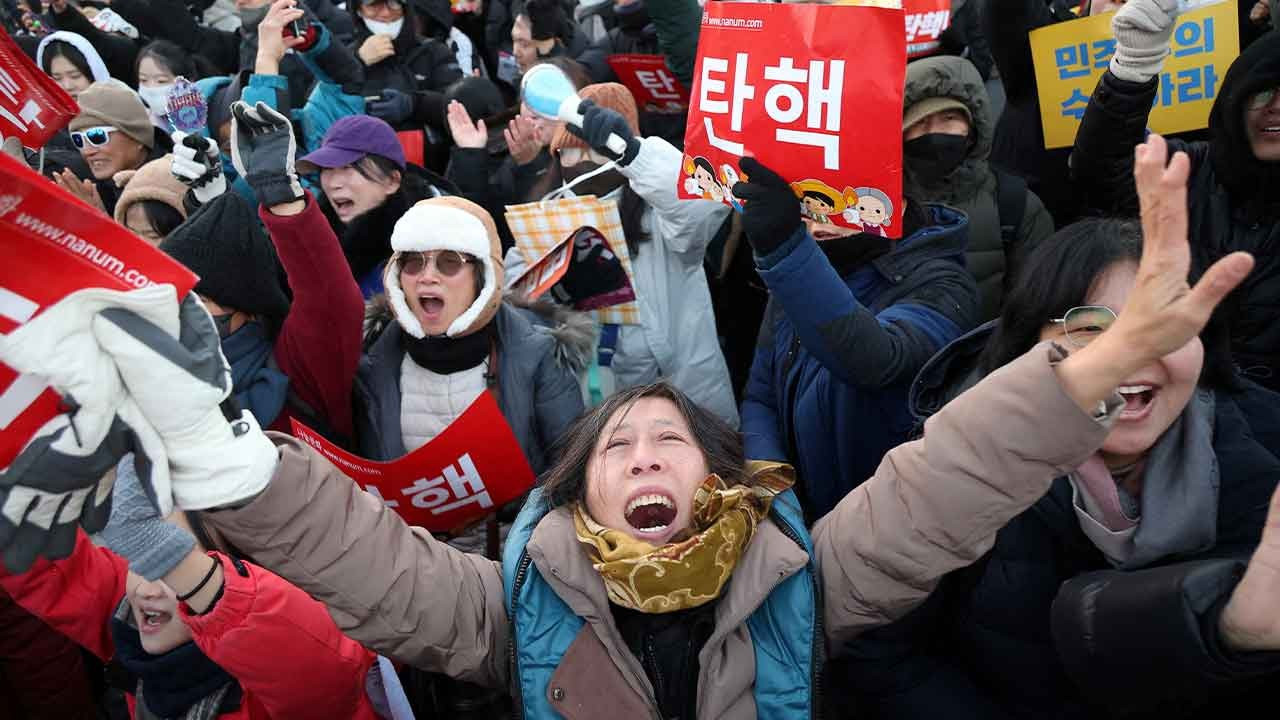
{"x":1233,"y":200}
{"x":113,"y":133}
{"x":1104,"y":598}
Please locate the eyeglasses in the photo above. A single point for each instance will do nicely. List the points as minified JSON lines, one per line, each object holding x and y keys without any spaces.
{"x":447,"y":262}
{"x":1263,"y":99}
{"x":93,"y":137}
{"x":1083,"y":324}
{"x":391,"y":4}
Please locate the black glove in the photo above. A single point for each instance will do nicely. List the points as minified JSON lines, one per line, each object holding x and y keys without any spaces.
{"x":771,"y":213}
{"x":598,"y":123}
{"x":263,"y":150}
{"x":393,"y":106}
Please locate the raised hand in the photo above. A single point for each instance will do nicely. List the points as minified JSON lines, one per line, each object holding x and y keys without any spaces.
{"x":466,"y":134}
{"x":197,"y":164}
{"x":263,"y":150}
{"x":522,"y":140}
{"x":771,"y":213}
{"x":85,"y":190}
{"x":1163,"y":312}
{"x":1142,"y":29}
{"x":272,"y":43}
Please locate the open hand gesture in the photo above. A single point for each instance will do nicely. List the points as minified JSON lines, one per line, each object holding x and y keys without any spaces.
{"x":1250,"y":620}
{"x":465,"y":133}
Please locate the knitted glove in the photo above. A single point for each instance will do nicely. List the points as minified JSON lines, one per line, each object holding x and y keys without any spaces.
{"x":57,"y":480}
{"x":263,"y":150}
{"x":217,"y":456}
{"x":392,"y":106}
{"x":772,"y":211}
{"x":138,"y":533}
{"x":1142,"y":29}
{"x":197,"y":164}
{"x":598,"y":123}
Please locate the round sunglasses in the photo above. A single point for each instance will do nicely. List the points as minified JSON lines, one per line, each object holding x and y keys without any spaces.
{"x":447,"y":262}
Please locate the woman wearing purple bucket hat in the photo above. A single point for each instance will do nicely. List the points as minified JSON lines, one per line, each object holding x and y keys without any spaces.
{"x":367,"y":186}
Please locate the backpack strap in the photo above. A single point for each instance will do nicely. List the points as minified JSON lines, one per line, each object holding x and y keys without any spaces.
{"x":1011,"y":204}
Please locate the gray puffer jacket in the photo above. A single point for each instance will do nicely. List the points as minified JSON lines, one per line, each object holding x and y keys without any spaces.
{"x":538,"y":388}
{"x":973,"y":186}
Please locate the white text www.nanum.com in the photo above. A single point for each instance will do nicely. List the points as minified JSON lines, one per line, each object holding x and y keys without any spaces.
{"x":85,"y":249}
{"x":731,"y":22}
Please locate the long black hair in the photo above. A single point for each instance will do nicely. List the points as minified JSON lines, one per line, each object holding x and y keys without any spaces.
{"x":63,"y":49}
{"x":1058,"y":274}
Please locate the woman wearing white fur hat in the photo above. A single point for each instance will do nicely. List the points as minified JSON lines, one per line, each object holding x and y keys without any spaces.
{"x":454,"y":337}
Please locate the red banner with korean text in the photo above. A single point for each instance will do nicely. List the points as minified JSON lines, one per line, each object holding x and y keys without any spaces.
{"x":32,"y":106}
{"x":778,"y":81}
{"x":651,"y":82}
{"x":926,"y":20}
{"x":52,"y":245}
{"x":473,"y":467}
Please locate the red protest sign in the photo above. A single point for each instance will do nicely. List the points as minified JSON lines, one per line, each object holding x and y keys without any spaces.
{"x":53,"y":245}
{"x":654,"y":87}
{"x":32,"y":106}
{"x":472,"y":467}
{"x":777,"y":81}
{"x":926,"y":21}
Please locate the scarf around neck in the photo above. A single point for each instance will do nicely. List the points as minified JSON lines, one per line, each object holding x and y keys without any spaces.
{"x":175,"y":683}
{"x":445,"y":355}
{"x":690,"y":572}
{"x":258,"y":386}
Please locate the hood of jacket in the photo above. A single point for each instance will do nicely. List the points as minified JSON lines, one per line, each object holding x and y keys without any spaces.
{"x":952,"y":370}
{"x":952,"y":77}
{"x":404,"y":42}
{"x":1254,"y":181}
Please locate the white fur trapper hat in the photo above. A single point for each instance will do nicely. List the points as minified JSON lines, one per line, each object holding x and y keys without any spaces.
{"x":447,"y":223}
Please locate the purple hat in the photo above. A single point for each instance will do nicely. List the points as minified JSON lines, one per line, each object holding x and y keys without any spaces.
{"x":351,"y":138}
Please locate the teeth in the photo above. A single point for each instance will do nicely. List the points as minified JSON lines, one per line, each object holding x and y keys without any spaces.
{"x":648,"y":500}
{"x":1133,"y":389}
{"x":656,"y":529}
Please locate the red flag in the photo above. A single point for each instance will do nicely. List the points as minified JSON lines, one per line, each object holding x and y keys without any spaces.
{"x":32,"y":106}
{"x":653,"y":85}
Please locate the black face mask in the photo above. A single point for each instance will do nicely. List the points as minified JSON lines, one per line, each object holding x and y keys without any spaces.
{"x":600,"y":185}
{"x":932,"y":157}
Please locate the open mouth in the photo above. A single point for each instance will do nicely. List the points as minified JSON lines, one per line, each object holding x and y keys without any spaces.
{"x":152,"y":621}
{"x":432,"y":305}
{"x":650,"y":513}
{"x":1137,"y":400}
{"x":342,"y":205}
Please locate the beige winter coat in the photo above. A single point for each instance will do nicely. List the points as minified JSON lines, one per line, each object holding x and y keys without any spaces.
{"x":933,"y":506}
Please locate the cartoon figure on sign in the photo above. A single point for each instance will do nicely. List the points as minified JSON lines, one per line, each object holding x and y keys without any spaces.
{"x":731,"y":179}
{"x":702,"y":179}
{"x":875,"y":211}
{"x":819,"y":201}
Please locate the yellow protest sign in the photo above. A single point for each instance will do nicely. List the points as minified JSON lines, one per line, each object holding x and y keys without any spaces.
{"x":1071,"y":56}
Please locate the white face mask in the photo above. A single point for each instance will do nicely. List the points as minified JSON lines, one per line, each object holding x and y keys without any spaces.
{"x":156,"y":97}
{"x":378,"y":27}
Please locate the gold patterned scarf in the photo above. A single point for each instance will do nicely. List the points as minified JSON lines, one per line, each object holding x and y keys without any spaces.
{"x":692,"y":571}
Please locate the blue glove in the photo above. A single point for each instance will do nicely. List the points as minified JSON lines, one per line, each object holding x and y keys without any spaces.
{"x":138,"y":533}
{"x":393,"y":106}
{"x":598,"y":123}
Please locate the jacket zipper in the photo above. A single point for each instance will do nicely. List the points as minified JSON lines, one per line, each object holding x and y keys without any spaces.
{"x":818,"y":642}
{"x":658,"y":686}
{"x":517,"y":691}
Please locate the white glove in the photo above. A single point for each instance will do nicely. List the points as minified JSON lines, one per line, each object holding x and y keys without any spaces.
{"x":1142,"y":29}
{"x":197,"y":164}
{"x":107,"y":20}
{"x":57,"y":481}
{"x":180,"y":382}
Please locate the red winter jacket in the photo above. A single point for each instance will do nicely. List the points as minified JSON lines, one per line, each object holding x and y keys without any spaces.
{"x":318,"y":346}
{"x":281,"y":646}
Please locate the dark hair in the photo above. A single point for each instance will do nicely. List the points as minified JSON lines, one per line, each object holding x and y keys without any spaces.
{"x":1058,"y":274}
{"x":817,"y":195}
{"x":62,"y":49}
{"x":547,"y":20}
{"x":170,"y":56}
{"x":705,"y":164}
{"x":376,"y":168}
{"x":565,"y":481}
{"x":163,"y":217}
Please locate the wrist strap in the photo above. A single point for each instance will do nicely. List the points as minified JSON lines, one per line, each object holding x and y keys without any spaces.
{"x":205,"y":581}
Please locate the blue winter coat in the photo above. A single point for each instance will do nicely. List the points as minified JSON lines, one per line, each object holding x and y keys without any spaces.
{"x":836,"y":355}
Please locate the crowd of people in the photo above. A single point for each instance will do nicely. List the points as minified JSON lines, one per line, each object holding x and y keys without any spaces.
{"x":1020,"y":462}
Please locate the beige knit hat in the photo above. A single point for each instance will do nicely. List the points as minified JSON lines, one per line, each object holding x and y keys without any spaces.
{"x":447,"y":223}
{"x":931,"y":105}
{"x":152,"y":181}
{"x":112,"y":103}
{"x":610,"y":95}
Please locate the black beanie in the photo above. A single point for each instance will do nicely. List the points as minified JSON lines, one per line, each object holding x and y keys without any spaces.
{"x":223,"y":244}
{"x":1252,"y":181}
{"x":547,"y":19}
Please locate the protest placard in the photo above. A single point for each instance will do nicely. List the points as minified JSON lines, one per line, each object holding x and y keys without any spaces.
{"x":53,"y":245}
{"x":32,"y":106}
{"x":926,"y":20}
{"x":778,"y":81}
{"x":473,"y":467}
{"x":653,"y":85}
{"x":1070,"y":57}
{"x":583,"y":272}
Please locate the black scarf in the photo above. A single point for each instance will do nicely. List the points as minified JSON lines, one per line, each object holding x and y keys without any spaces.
{"x":847,"y":254}
{"x":445,"y":355}
{"x":176,"y":680}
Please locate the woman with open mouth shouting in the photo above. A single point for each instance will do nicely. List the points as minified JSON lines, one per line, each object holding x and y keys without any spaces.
{"x":655,"y":574}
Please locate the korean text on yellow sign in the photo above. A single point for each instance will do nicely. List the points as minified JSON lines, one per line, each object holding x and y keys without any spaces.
{"x":1071,"y":56}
